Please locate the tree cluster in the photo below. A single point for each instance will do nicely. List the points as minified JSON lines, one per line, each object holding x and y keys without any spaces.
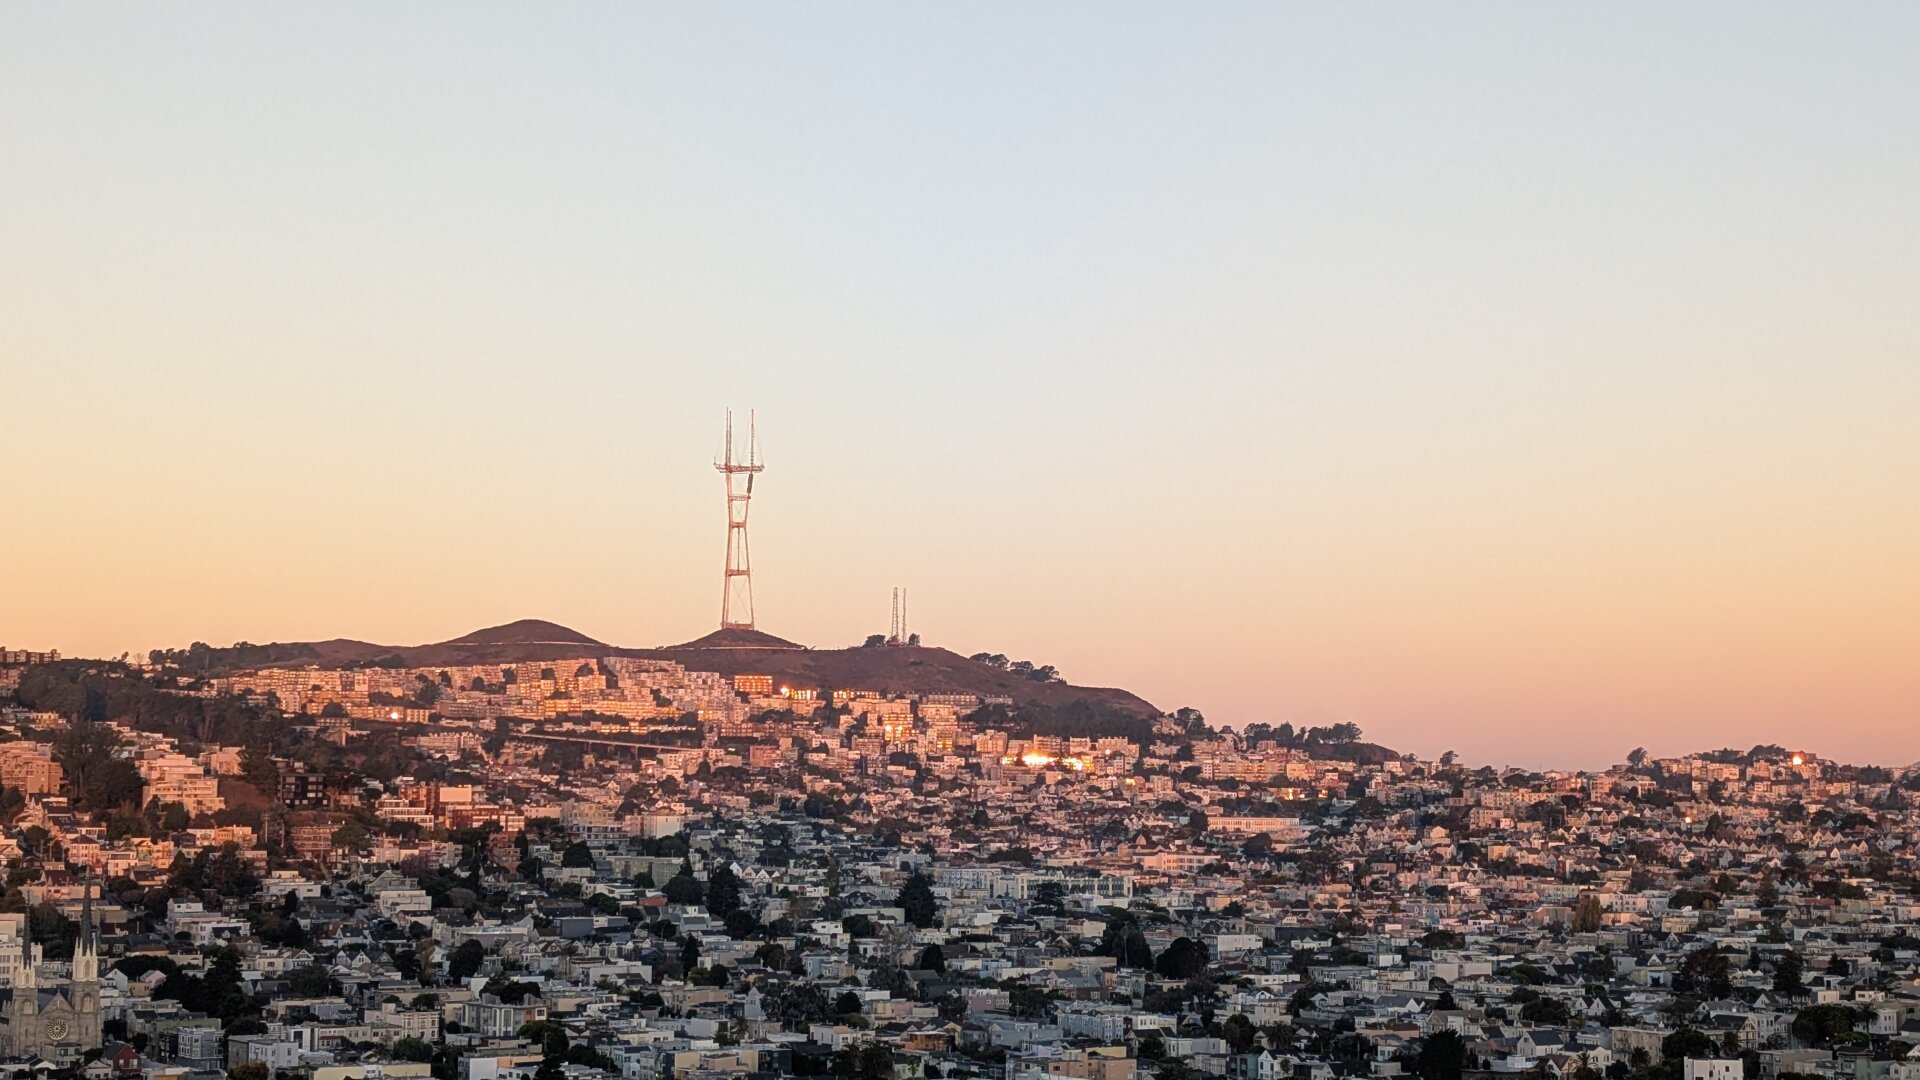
{"x":1025,"y":669}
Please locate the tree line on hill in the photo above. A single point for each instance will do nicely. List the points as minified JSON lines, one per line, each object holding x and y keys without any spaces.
{"x":1342,"y":734}
{"x":96,"y":691}
{"x":1025,"y":669}
{"x":203,"y":657}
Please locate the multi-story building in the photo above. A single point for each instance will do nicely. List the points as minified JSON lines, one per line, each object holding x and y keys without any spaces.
{"x":176,"y":778}
{"x":15,"y":657}
{"x":29,"y":767}
{"x":494,"y":1018}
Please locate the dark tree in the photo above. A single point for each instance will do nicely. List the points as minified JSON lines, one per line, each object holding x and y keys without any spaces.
{"x":465,"y":961}
{"x":1443,"y":1056}
{"x":228,"y":873}
{"x":873,"y":1062}
{"x":312,"y":981}
{"x":1184,"y":959}
{"x":1787,"y":973}
{"x":683,"y":887}
{"x":723,"y":891}
{"x":741,"y":925}
{"x":1123,"y":941}
{"x":932,"y":958}
{"x":100,"y":781}
{"x":1825,"y":1026}
{"x":52,"y":929}
{"x":551,"y":1036}
{"x":916,"y":898}
{"x":1545,"y":1010}
{"x":1706,"y":972}
{"x":1685,"y":1043}
{"x":798,"y":1002}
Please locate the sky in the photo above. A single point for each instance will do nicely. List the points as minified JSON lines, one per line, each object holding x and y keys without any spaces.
{"x":1530,"y":381}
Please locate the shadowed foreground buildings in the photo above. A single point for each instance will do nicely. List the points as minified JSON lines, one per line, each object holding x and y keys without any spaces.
{"x":751,"y":882}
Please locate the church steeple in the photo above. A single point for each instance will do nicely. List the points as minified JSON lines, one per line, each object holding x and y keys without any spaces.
{"x":86,"y":958}
{"x":27,"y":975}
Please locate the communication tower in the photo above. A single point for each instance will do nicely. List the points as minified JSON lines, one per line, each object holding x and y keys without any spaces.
{"x":736,"y":594}
{"x":899,"y":635}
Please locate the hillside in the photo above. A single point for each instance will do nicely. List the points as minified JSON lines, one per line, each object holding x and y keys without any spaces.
{"x":1055,"y":708}
{"x":886,"y":670}
{"x":734,"y":637}
{"x":527,"y":639}
{"x":525,"y":632}
{"x":922,"y":669}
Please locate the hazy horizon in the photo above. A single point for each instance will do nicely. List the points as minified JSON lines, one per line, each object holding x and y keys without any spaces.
{"x":1532,"y":383}
{"x":1674,"y":745}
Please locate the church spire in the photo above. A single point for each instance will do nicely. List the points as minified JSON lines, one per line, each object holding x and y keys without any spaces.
{"x":27,"y":976}
{"x":86,"y":959}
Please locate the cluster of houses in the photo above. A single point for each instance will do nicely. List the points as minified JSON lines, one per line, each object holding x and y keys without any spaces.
{"x":884,"y":886}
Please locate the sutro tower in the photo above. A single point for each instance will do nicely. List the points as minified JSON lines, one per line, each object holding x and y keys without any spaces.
{"x":736,"y":595}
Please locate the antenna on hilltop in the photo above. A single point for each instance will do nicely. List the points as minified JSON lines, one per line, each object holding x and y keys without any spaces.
{"x":898,"y":635}
{"x":736,"y":593}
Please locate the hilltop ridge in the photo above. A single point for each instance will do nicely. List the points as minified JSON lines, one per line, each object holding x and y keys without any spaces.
{"x":525,"y":632}
{"x":884,"y":669}
{"x":736,"y":637}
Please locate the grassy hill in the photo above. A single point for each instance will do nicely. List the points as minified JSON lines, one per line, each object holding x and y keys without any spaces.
{"x":889,"y":669}
{"x":1046,"y":706}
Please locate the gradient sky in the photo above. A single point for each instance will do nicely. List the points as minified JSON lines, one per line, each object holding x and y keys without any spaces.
{"x":1534,"y":381}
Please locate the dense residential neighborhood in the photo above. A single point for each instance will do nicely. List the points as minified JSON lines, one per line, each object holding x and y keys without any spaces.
{"x":1295,"y":540}
{"x":600,"y":866}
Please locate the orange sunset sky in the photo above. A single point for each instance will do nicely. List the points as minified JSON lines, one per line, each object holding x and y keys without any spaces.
{"x":1527,"y":382}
